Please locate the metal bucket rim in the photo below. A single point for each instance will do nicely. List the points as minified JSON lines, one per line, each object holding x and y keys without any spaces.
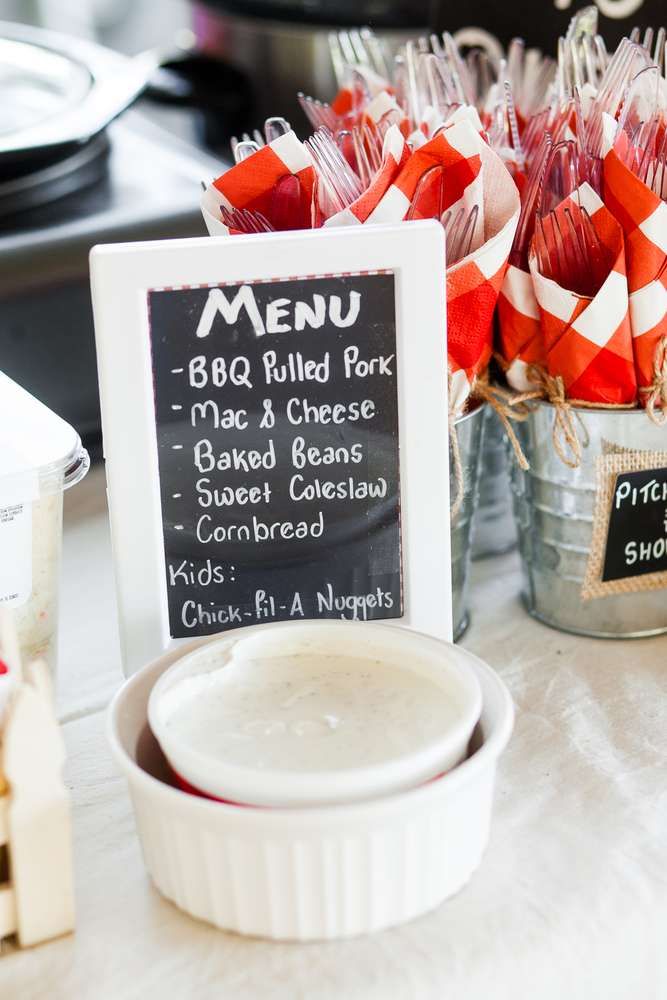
{"x":599,"y":411}
{"x":480,"y":408}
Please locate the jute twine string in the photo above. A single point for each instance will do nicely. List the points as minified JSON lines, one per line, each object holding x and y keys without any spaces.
{"x":656,"y":393}
{"x":509,"y":406}
{"x":516,"y":406}
{"x":565,"y":437}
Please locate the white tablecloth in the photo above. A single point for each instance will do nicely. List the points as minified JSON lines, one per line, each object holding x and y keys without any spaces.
{"x":570,"y":902}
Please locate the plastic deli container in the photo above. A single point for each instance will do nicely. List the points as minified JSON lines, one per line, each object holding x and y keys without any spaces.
{"x":40,"y":457}
{"x":311,"y":872}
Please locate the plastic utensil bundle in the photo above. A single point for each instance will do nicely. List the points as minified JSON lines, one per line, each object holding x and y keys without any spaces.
{"x":432,"y":134}
{"x":604,"y":133}
{"x":383,"y":151}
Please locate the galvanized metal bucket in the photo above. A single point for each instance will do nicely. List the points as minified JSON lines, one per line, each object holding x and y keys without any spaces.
{"x":554,"y":507}
{"x":494,"y":528}
{"x":469,"y":436}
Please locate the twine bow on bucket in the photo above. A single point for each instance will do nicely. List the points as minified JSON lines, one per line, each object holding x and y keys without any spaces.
{"x":656,"y":393}
{"x":511,"y":406}
{"x":565,"y":438}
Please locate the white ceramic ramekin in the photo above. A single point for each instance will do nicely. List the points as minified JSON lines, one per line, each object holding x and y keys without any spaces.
{"x":415,"y":655}
{"x":307,"y":874}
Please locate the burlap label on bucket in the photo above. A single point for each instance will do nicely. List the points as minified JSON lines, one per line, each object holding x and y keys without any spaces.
{"x":629,"y":524}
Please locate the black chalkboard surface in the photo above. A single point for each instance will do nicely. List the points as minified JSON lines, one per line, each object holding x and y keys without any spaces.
{"x":637,"y":533}
{"x":277,"y":431}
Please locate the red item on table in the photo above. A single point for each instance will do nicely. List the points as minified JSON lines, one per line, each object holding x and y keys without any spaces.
{"x":255,"y":182}
{"x":643,"y":217}
{"x":520,"y":339}
{"x":587,"y":336}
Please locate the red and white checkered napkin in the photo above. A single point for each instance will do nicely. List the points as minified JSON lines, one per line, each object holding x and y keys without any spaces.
{"x":251,"y":184}
{"x":643,"y":217}
{"x":364,"y":83}
{"x":472,"y":175}
{"x":473,"y":284}
{"x":395,"y":154}
{"x":458,"y":151}
{"x":587,"y":340}
{"x":384,"y":109}
{"x":520,"y":338}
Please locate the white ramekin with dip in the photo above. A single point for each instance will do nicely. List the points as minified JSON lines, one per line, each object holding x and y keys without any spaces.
{"x":376,"y":854}
{"x":315,"y":713}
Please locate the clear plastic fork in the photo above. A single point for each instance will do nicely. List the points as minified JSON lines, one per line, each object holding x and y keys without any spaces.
{"x":460,"y":229}
{"x":357,"y":48}
{"x":364,"y":143}
{"x":244,"y":148}
{"x":340,"y":182}
{"x":244,"y":220}
{"x":628,"y":60}
{"x":318,"y":113}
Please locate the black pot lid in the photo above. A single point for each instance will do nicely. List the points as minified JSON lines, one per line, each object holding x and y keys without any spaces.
{"x":58,"y":90}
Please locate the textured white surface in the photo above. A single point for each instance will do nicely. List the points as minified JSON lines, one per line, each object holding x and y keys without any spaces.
{"x":570,"y":899}
{"x":313,"y":874}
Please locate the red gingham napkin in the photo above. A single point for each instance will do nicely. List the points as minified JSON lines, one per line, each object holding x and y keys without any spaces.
{"x":447,"y":150}
{"x":520,"y":340}
{"x":384,"y":108}
{"x":457,"y":150}
{"x":210,"y":203}
{"x":473,"y":284}
{"x":587,"y":339}
{"x":343,"y":103}
{"x":473,"y":174}
{"x":519,"y":330}
{"x":250,"y":184}
{"x":395,"y":154}
{"x":364,"y":83}
{"x":643,"y":218}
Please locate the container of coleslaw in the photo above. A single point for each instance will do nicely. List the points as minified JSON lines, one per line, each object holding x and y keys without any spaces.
{"x":40,"y":457}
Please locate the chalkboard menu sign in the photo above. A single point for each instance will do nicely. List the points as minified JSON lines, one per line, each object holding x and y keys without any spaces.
{"x":277,"y":433}
{"x":637,"y":532}
{"x":275,"y":423}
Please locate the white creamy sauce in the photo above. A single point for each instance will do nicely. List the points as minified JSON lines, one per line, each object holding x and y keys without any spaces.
{"x":308,"y":712}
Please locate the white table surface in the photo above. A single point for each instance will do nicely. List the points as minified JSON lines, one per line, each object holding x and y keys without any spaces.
{"x":570,"y":900}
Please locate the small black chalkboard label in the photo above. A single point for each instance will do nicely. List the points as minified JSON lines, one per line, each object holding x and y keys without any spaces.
{"x":277,"y":432}
{"x":637,"y":533}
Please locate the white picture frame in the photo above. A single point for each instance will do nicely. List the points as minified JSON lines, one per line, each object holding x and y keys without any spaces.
{"x":121,"y":276}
